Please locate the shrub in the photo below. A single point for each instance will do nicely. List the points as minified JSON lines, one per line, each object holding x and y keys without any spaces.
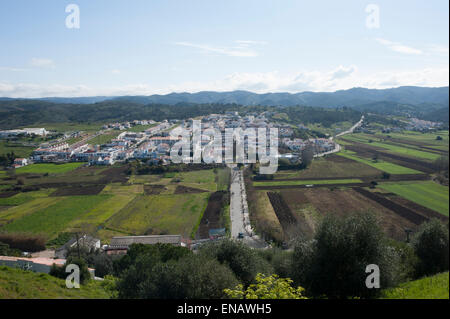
{"x":267,"y":287}
{"x":242,"y":260}
{"x":192,"y":277}
{"x":60,"y":271}
{"x":431,"y":246}
{"x":334,"y":263}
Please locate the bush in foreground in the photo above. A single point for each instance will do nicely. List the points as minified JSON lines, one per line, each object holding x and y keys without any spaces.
{"x":334,"y":263}
{"x":431,"y":246}
{"x":267,"y":287}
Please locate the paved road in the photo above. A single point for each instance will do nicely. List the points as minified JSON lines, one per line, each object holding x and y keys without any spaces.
{"x":238,"y":210}
{"x":337,"y":147}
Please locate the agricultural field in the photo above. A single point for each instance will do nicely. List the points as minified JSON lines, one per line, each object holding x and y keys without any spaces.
{"x":406,"y":150}
{"x":310,"y":205}
{"x":381,"y":165}
{"x":307,"y":182}
{"x":49,"y":168}
{"x":105,"y":202}
{"x":161,"y":214}
{"x":18,"y":149}
{"x":427,"y":193}
{"x":332,"y":166}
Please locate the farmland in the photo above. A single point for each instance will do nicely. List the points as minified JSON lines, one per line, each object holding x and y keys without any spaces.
{"x":403,"y":196}
{"x":428,"y":194}
{"x":384,"y":166}
{"x":104,"y":202}
{"x":162,"y":214}
{"x":307,"y":182}
{"x":49,"y":168}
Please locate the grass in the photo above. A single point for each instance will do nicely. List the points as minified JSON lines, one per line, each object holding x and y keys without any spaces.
{"x":104,"y":138}
{"x":49,"y":168}
{"x":57,"y":217}
{"x":22,"y":198}
{"x":30,"y":207}
{"x":407,"y":151}
{"x":426,"y":193}
{"x":21,"y":284}
{"x":170,"y":214}
{"x":433,"y":287}
{"x":307,"y":182}
{"x":323,"y":167}
{"x":17,"y":149}
{"x":387,"y":167}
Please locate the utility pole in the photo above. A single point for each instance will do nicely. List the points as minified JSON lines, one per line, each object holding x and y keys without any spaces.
{"x":78,"y":246}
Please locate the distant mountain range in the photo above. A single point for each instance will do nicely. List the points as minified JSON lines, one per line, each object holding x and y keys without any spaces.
{"x":353,"y":97}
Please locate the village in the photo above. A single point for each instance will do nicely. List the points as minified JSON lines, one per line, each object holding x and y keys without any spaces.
{"x":153,"y":144}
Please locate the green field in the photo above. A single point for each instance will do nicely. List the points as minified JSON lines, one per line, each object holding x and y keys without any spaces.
{"x":324,"y":167}
{"x":407,"y":151}
{"x":104,"y":138}
{"x":21,"y":284}
{"x":433,"y":287}
{"x":168,"y":214}
{"x":307,"y":182}
{"x":17,"y":149}
{"x":22,"y":198}
{"x":49,"y":168}
{"x":381,"y":165}
{"x":57,"y":217}
{"x":427,"y":193}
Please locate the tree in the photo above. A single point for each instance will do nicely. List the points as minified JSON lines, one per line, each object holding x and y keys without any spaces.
{"x":431,"y":246}
{"x":334,"y":263}
{"x":307,"y":155}
{"x":242,"y":260}
{"x":267,"y":287}
{"x":192,"y":277}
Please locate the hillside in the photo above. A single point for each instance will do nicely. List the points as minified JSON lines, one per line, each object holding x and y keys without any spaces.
{"x":352,"y":97}
{"x":433,"y":287}
{"x":20,"y":284}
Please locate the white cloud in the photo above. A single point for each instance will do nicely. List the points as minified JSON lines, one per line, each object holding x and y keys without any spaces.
{"x":241,"y":50}
{"x":115,"y":71}
{"x":12,"y":69}
{"x":42,"y":63}
{"x":342,"y":77}
{"x":398,"y":47}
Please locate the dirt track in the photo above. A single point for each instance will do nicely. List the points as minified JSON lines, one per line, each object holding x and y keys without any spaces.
{"x":211,"y":218}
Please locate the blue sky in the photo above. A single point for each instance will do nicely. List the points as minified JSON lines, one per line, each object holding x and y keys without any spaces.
{"x":143,"y":47}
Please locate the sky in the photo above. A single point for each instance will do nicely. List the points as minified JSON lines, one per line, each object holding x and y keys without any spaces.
{"x":144,"y":47}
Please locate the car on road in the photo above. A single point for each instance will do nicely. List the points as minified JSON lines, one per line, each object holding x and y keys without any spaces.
{"x":241,"y":235}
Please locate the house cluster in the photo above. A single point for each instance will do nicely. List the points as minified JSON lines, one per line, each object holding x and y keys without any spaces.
{"x":422,"y":125}
{"x":127,"y":125}
{"x":25,"y":131}
{"x":152,"y":143}
{"x":319,"y":145}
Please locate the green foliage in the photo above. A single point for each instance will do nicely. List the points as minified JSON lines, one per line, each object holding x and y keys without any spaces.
{"x":60,"y":271}
{"x":334,"y":263}
{"x":431,"y":246}
{"x":267,"y":287}
{"x":192,"y":277}
{"x":242,"y":260}
{"x":20,"y":284}
{"x":434,"y":287}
